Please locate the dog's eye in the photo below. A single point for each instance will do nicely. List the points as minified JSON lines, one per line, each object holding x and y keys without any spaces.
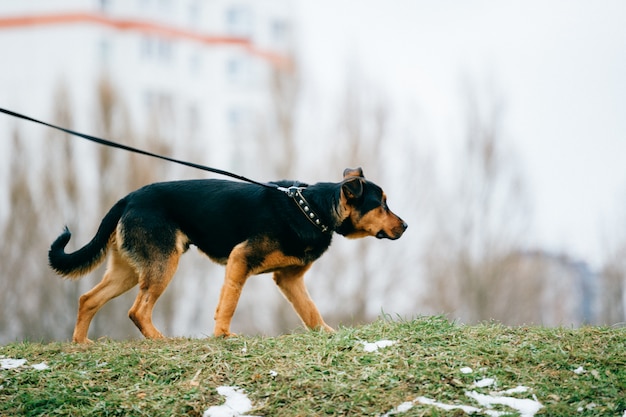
{"x":384,"y":205}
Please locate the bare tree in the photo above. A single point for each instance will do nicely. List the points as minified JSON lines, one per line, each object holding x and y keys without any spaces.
{"x":362,"y":124}
{"x":482,"y":221}
{"x":352,"y":287}
{"x":20,"y":236}
{"x":34,"y":305}
{"x":284,"y":86}
{"x":120,"y":173}
{"x":276,"y":146}
{"x":612,"y":300}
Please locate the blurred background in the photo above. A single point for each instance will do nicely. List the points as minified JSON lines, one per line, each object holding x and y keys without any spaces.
{"x":497,"y":129}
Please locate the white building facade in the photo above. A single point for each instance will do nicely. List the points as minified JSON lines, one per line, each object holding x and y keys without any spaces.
{"x":197,"y":71}
{"x":197,"y":68}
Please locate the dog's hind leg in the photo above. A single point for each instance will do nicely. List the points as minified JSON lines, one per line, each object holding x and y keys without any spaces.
{"x":153,"y":280}
{"x":290,"y":280}
{"x":119,"y":277}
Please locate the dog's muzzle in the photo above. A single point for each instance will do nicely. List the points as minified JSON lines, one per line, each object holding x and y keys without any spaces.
{"x":397,"y":232}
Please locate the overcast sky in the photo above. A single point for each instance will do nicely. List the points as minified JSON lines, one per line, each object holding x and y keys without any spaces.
{"x":559,"y":65}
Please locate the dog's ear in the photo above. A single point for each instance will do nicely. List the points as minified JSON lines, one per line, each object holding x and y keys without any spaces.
{"x":349,"y":172}
{"x":352,"y":188}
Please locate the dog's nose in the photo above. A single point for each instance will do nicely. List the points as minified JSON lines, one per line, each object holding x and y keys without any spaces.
{"x":404,"y":225}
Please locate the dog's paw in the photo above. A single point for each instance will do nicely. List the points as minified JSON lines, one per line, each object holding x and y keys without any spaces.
{"x":223,"y":333}
{"x":325,"y":327}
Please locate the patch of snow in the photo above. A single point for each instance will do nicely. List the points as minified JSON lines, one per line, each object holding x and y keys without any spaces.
{"x":402,"y":408}
{"x":237,"y":403}
{"x":466,"y":408}
{"x":40,"y":366}
{"x":485,"y":382}
{"x":526,"y":407}
{"x":590,"y":406}
{"x":11,"y":363}
{"x":405,"y":406}
{"x":517,"y":390}
{"x":580,"y":370}
{"x":466,"y":370}
{"x":373,"y":347}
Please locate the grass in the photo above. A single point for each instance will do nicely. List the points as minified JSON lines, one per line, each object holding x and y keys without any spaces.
{"x":321,"y":374}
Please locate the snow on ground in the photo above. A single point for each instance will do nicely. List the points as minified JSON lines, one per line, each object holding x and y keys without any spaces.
{"x":237,"y":403}
{"x":485,"y":382}
{"x":11,"y":363}
{"x":466,"y":408}
{"x":373,"y":347}
{"x":525,"y":407}
{"x":485,"y":402}
{"x":8,"y":363}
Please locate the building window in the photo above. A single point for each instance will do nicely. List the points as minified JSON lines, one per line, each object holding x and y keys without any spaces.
{"x":104,"y":5}
{"x":195,"y":13}
{"x":279,"y":31}
{"x":166,"y":5}
{"x":146,"y":47}
{"x":235,"y":119}
{"x":238,"y":70}
{"x":165,"y":50}
{"x":233,"y":69}
{"x":105,"y":52}
{"x":239,"y":21}
{"x":153,"y":48}
{"x":195,"y":62}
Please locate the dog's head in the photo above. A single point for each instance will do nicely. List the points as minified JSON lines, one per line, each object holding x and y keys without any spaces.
{"x":364,"y":211}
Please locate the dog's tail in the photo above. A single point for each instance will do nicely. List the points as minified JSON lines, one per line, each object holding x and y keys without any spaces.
{"x":74,"y":265}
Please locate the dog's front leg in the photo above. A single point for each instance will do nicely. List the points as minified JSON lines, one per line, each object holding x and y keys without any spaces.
{"x":291,"y":283}
{"x":237,"y":272}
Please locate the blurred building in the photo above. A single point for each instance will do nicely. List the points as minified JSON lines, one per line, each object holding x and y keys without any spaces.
{"x":196,"y":70}
{"x":568,"y":289}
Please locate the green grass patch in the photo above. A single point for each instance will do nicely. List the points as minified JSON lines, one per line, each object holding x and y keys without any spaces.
{"x":313,"y":373}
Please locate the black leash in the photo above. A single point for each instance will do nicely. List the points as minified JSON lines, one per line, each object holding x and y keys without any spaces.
{"x":135,"y":150}
{"x":294,"y":192}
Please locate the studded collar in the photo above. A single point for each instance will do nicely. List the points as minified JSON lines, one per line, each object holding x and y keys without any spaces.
{"x":296,"y":194}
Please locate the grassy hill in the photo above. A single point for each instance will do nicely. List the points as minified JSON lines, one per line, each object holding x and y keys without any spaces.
{"x":430,"y":367}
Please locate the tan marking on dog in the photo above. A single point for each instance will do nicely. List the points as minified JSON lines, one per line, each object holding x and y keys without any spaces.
{"x":291,"y":283}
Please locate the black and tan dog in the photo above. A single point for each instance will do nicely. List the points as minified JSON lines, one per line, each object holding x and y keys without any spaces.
{"x":249,"y":228}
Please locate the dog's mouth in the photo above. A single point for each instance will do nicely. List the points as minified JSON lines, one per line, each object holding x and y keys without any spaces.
{"x":396,"y":233}
{"x":383,"y":235}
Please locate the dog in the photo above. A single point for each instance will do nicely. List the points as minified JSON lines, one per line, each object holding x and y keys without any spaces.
{"x":249,"y":228}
